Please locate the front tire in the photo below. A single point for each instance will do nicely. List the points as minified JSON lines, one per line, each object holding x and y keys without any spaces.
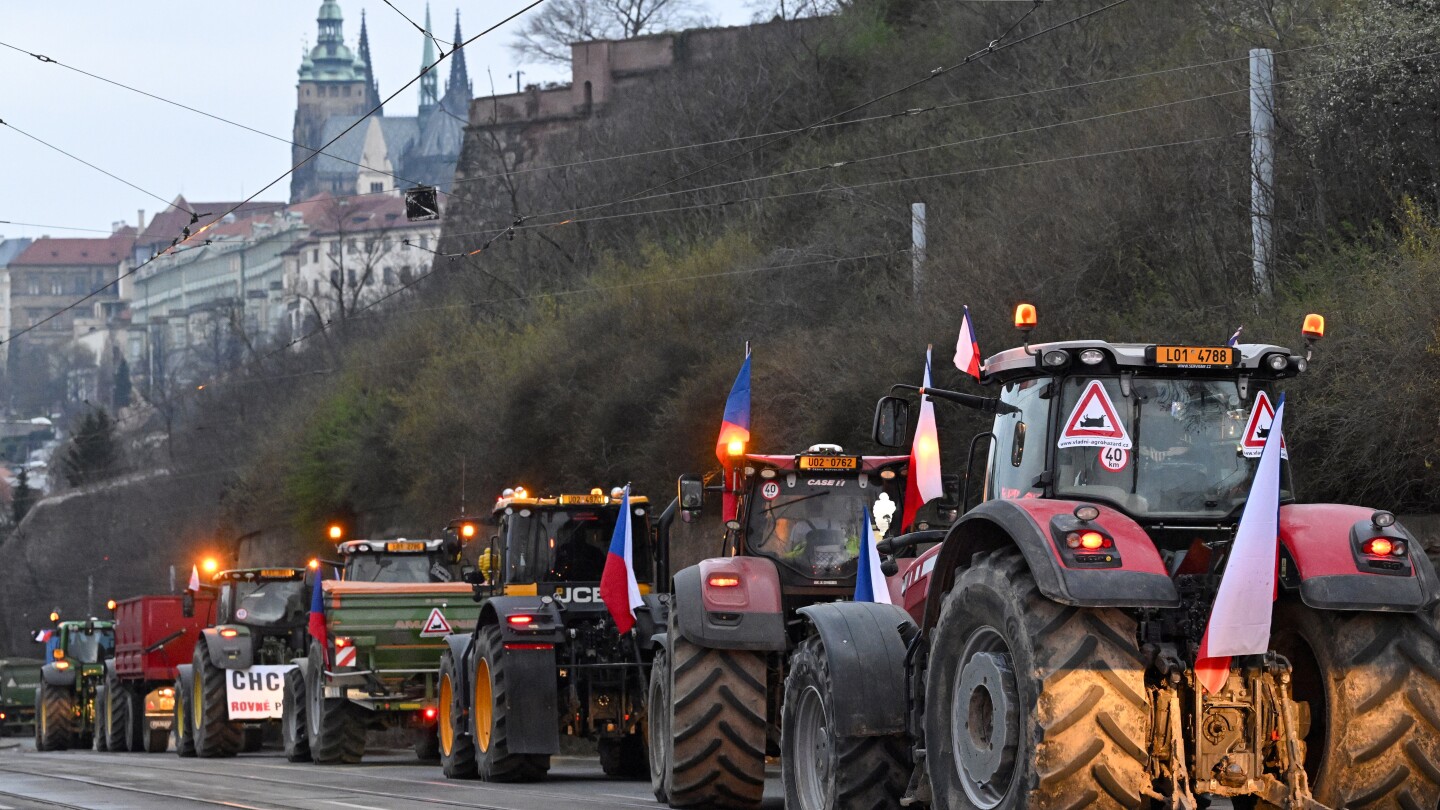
{"x":824,"y":772}
{"x":99,"y":726}
{"x":184,"y":735}
{"x":718,"y":725}
{"x":214,"y":734}
{"x":336,"y":728}
{"x":1030,"y":703}
{"x":490,"y":717}
{"x":660,"y":750}
{"x":115,"y":707}
{"x":1373,"y":684}
{"x":457,"y":747}
{"x":292,"y":718}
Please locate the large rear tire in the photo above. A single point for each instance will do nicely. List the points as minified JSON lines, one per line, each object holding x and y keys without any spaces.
{"x":115,"y":709}
{"x":1030,"y":703}
{"x":661,"y":743}
{"x":490,"y":717}
{"x":99,"y":727}
{"x":624,"y":757}
{"x":184,"y":735}
{"x":214,"y":734}
{"x":457,"y":747}
{"x":1373,"y":684}
{"x":820,"y":770}
{"x":293,"y":725}
{"x":718,"y":725}
{"x":336,"y":727}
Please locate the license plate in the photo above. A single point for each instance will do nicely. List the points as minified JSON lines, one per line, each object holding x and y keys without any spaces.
{"x":829,"y":463}
{"x":590,"y":500}
{"x":1195,"y":356}
{"x":276,"y":573}
{"x":405,"y":545}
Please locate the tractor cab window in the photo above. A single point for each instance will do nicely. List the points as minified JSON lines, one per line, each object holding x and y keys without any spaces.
{"x":89,"y":647}
{"x":813,"y":525}
{"x":271,"y":602}
{"x":395,"y":568}
{"x":1017,"y":455}
{"x":1185,"y":457}
{"x":549,"y":545}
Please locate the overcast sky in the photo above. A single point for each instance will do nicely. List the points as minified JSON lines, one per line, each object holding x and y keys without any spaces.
{"x":237,"y":60}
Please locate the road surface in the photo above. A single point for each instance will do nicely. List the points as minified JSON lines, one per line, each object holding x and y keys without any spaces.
{"x":387,"y":780}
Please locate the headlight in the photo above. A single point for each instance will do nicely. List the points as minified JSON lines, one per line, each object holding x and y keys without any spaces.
{"x":1056,"y":358}
{"x":1277,"y":362}
{"x":1092,"y":357}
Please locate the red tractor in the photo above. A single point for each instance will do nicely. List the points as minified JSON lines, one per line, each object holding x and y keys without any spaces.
{"x":1043,"y":655}
{"x":719,"y":673}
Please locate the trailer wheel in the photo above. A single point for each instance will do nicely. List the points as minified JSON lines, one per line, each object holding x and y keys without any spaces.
{"x":115,"y":705}
{"x":457,"y":747}
{"x":214,"y":734}
{"x":336,"y":729}
{"x":657,"y":727}
{"x":624,"y":757}
{"x":820,"y":770}
{"x":184,"y":735}
{"x":490,"y":717}
{"x":718,"y":725}
{"x":1030,"y":703}
{"x":1372,"y":681}
{"x":292,"y":718}
{"x":99,"y":728}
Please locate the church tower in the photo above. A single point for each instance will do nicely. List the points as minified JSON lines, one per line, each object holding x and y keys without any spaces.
{"x":333,"y":81}
{"x":457,"y":88}
{"x":372,"y":88}
{"x":429,"y":96}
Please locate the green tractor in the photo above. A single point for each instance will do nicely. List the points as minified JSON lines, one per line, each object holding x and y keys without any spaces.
{"x":75,"y":654}
{"x":234,"y":686}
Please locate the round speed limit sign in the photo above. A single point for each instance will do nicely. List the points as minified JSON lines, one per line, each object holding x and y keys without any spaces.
{"x":1114,"y":459}
{"x":770,"y":490}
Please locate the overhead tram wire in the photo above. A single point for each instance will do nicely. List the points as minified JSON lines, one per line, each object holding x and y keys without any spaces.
{"x":51,"y":227}
{"x":111,"y":175}
{"x":268,"y":186}
{"x":439,"y":43}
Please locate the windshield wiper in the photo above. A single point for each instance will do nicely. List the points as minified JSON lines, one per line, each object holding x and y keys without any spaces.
{"x":788,"y":504}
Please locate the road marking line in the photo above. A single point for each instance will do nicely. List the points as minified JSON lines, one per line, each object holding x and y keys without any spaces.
{"x":347,"y":804}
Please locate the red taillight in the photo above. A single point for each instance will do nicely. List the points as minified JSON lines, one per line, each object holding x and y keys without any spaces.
{"x":430,"y":712}
{"x":521,"y":619}
{"x":724,"y":581}
{"x":1093,"y":540}
{"x":1384,"y":547}
{"x":515,"y":645}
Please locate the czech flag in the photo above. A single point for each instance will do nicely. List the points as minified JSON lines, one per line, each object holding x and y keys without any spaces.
{"x":618,"y":588}
{"x":967,"y":350}
{"x":194,"y":579}
{"x":1240,"y":619}
{"x":1235,"y":338}
{"x":317,"y":618}
{"x":44,"y":635}
{"x":869,"y":579}
{"x":735,"y":425}
{"x":922,"y":482}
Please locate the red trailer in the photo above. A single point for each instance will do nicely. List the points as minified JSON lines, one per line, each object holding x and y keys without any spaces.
{"x":152,"y":637}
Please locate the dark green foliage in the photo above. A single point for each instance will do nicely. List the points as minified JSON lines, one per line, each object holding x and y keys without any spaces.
{"x":121,"y":395}
{"x":23,"y":497}
{"x":92,"y":453}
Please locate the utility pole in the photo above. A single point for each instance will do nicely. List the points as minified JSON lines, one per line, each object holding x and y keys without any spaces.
{"x":917,"y":249}
{"x":1262,"y":168}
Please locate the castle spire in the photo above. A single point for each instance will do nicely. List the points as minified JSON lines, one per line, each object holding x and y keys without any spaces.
{"x":459,"y":82}
{"x":429,"y":96}
{"x":372,"y":89}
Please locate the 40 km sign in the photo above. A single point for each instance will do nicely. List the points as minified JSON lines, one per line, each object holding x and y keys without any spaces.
{"x":256,"y":693}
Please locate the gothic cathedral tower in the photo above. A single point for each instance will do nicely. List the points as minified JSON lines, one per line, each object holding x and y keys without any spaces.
{"x":333,"y":82}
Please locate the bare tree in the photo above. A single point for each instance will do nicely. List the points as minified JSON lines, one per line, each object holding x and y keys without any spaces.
{"x":766,"y":10}
{"x":547,"y":34}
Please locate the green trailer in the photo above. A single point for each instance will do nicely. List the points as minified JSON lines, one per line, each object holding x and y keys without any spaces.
{"x":376,"y":667}
{"x":19,"y":678}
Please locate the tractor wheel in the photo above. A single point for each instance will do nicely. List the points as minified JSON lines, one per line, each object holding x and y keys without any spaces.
{"x":657,"y":727}
{"x":156,"y":740}
{"x":457,"y":747}
{"x":717,"y":752}
{"x":252,"y":739}
{"x":139,"y":726}
{"x":214,"y":734}
{"x":336,"y":728}
{"x":1030,"y":703}
{"x":113,"y":706}
{"x":490,"y":717}
{"x":184,"y":735}
{"x":624,"y":757}
{"x":292,"y":718}
{"x":99,"y":727}
{"x":825,"y":772}
{"x":427,"y":743}
{"x":1372,"y":681}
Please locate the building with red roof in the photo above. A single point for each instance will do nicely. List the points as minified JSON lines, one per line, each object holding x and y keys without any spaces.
{"x":51,"y":274}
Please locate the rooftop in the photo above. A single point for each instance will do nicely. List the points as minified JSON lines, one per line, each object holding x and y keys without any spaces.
{"x":81,"y":252}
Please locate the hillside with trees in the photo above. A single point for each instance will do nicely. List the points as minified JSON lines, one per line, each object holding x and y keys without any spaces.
{"x":587,"y":312}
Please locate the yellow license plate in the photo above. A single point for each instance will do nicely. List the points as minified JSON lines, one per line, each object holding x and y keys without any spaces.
{"x":829,"y":463}
{"x":590,"y":500}
{"x":1196,"y":356}
{"x":406,"y":545}
{"x":276,"y":573}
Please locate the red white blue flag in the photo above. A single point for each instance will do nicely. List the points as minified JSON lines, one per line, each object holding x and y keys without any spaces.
{"x":44,"y":635}
{"x":870,"y":583}
{"x":317,"y":617}
{"x":967,"y":349}
{"x":1240,"y":619}
{"x":735,"y":424}
{"x":922,"y":481}
{"x":618,"y":588}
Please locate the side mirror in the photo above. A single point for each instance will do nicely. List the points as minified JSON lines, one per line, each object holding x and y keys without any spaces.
{"x":187,"y":605}
{"x":892,"y":422}
{"x":692,"y":493}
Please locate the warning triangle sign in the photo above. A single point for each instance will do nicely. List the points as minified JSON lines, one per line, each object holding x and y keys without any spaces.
{"x":1257,"y":429}
{"x":435,"y":625}
{"x":1094,"y":422}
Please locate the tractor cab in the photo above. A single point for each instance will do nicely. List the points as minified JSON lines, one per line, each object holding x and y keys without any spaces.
{"x":80,"y":643}
{"x":262,"y":598}
{"x":557,"y":544}
{"x":401,"y":560}
{"x":806,"y":512}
